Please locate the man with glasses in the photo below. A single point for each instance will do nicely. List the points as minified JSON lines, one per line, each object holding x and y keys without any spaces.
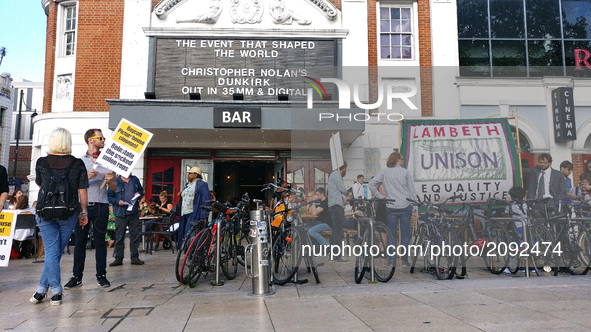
{"x":546,"y":182}
{"x":98,"y":213}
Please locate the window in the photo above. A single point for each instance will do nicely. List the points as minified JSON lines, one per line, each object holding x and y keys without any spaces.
{"x":396,"y":33}
{"x":69,"y":30}
{"x":524,"y":38}
{"x":163,"y":181}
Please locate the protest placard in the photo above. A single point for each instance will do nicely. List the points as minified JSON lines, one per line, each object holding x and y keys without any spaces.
{"x":336,"y":152}
{"x":7,"y":223}
{"x":123,"y":150}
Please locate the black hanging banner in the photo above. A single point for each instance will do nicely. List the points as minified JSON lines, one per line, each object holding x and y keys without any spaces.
{"x":563,"y":112}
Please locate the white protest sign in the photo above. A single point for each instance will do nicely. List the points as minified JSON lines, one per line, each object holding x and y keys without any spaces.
{"x":123,"y":150}
{"x":7,"y":223}
{"x":336,"y":152}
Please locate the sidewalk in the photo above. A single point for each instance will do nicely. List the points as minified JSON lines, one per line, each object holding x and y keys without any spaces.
{"x":148,"y":298}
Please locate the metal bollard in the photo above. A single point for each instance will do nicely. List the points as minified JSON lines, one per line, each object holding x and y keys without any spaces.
{"x":257,"y":254}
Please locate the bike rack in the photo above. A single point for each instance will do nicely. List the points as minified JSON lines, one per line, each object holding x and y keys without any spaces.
{"x":217,"y":281}
{"x":525,"y":226}
{"x":257,"y":261}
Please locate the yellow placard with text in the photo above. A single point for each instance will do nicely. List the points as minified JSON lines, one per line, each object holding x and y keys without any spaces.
{"x":6,"y":223}
{"x":7,"y":226}
{"x":131,"y":136}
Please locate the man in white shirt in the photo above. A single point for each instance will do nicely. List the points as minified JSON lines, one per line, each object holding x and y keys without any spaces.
{"x":358,"y":187}
{"x":546,"y":182}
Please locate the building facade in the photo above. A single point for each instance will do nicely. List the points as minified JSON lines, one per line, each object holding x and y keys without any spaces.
{"x":249,"y":89}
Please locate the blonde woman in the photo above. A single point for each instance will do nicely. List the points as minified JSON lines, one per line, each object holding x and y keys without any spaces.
{"x":56,"y":233}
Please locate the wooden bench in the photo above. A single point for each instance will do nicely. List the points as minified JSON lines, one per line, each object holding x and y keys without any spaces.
{"x":348,"y":232}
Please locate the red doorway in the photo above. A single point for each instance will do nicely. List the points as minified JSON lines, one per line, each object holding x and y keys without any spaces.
{"x":163,"y":174}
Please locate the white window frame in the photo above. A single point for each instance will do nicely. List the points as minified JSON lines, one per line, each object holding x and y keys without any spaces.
{"x":69,"y":27}
{"x":413,"y":29}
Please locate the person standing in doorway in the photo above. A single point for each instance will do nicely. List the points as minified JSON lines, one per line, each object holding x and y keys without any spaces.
{"x":196,"y":192}
{"x":98,"y":214}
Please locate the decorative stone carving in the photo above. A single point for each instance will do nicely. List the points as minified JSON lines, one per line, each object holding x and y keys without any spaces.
{"x":246,"y":11}
{"x":326,"y":7}
{"x":165,"y":7}
{"x":64,"y":87}
{"x":211,"y":16}
{"x":282,"y":15}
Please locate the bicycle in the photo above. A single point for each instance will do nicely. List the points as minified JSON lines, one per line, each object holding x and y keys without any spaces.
{"x":288,"y":238}
{"x":201,"y":253}
{"x":374,"y":234}
{"x":571,"y":242}
{"x":492,"y":238}
{"x":434,"y":230}
{"x":195,"y":228}
{"x":232,"y":249}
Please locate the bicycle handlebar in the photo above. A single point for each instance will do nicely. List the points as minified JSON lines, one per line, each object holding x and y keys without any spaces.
{"x":268,"y":186}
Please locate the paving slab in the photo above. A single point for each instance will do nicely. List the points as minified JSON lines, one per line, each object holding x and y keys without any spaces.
{"x":149,"y":298}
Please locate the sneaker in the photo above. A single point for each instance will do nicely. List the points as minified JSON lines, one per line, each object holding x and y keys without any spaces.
{"x":37,"y":298}
{"x":405,"y":263}
{"x":116,"y":262}
{"x":137,"y":261}
{"x":103,"y":282}
{"x":73,"y":283}
{"x":56,"y":299}
{"x":342,"y":260}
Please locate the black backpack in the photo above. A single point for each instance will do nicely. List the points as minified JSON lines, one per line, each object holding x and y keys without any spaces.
{"x":57,"y":200}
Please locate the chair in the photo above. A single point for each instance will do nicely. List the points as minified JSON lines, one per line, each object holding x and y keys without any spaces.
{"x":167,"y":231}
{"x":28,"y":221}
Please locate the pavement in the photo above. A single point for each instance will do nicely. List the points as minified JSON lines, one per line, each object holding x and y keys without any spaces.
{"x":149,"y":298}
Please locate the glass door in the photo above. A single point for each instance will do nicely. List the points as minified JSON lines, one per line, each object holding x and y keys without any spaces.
{"x":205,"y":165}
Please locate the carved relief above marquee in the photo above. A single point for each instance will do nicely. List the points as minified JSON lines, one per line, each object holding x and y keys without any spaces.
{"x":247,"y":11}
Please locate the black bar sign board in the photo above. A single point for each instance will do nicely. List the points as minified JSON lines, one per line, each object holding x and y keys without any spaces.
{"x":225,"y":117}
{"x":563,"y":112}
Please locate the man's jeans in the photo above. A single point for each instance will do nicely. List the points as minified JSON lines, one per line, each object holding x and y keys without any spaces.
{"x":98,"y":217}
{"x":400,"y":217}
{"x":56,"y":235}
{"x":121,"y":223}
{"x":315,"y":231}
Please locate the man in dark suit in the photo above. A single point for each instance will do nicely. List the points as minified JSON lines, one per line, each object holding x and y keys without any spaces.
{"x":546,"y":182}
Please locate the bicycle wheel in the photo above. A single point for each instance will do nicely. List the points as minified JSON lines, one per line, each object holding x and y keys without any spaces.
{"x":189,"y":259}
{"x":287,"y":256}
{"x":496,"y":253}
{"x":180,"y":256}
{"x":580,"y":250}
{"x":228,"y":257}
{"x":242,"y":241}
{"x":445,"y":264}
{"x":201,"y":262}
{"x":513,"y":261}
{"x":543,"y":262}
{"x":419,"y":242}
{"x":384,"y":261}
{"x":360,"y":261}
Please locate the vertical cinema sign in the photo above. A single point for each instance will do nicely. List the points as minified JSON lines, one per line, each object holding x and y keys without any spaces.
{"x":563,"y":112}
